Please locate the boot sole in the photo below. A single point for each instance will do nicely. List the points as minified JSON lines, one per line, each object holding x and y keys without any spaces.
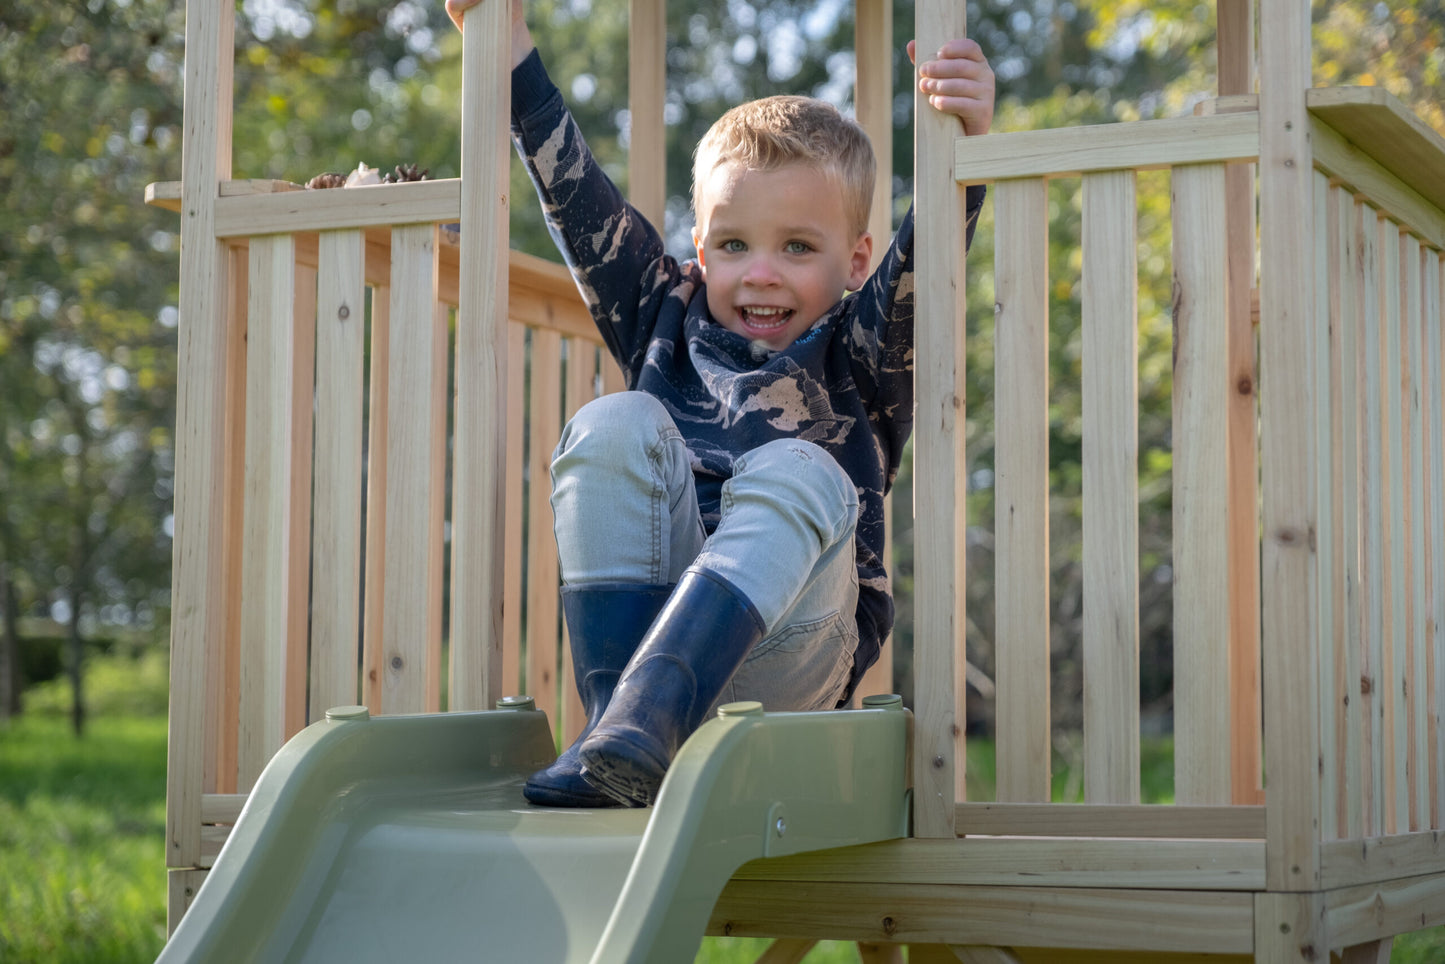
{"x":631,"y":782}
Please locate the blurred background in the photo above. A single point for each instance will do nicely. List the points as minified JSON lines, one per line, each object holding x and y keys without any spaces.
{"x":90,"y":113}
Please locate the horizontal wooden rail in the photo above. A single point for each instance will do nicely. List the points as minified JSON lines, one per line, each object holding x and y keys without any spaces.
{"x":1112,"y":919}
{"x":1086,"y":820}
{"x":1139,"y":146}
{"x":1217,"y":865}
{"x":416,"y":202}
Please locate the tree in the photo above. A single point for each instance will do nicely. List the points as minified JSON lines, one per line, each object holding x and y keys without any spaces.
{"x":90,"y":115}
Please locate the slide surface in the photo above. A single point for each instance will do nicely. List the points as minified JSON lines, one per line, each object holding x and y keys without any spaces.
{"x":407,"y":838}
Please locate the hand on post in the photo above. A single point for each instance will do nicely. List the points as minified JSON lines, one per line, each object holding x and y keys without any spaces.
{"x":958,"y":81}
{"x":521,"y":36}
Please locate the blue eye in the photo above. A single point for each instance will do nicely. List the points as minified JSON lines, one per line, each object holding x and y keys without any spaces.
{"x":797,"y":247}
{"x":733,"y":246}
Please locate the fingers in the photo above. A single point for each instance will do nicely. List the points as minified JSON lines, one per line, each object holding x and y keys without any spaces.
{"x":455,"y":9}
{"x":959,"y":81}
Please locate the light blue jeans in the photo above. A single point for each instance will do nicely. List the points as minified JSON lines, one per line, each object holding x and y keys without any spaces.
{"x":626,"y":510}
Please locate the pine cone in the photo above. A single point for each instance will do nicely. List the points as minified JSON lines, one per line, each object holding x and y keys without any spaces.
{"x":406,"y":172}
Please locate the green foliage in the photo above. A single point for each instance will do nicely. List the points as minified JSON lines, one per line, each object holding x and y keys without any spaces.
{"x":87,"y":349}
{"x":82,"y":830}
{"x":133,"y":681}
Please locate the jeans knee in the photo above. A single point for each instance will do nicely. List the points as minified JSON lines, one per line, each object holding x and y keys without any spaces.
{"x":806,"y":475}
{"x":616,"y":421}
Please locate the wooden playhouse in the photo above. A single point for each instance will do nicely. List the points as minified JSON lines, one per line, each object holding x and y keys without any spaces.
{"x":1308,"y":494}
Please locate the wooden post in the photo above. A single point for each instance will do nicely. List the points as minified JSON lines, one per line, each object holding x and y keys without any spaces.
{"x":1288,"y":557}
{"x":646,"y":97}
{"x":196,"y":586}
{"x":1290,"y":928}
{"x":478,"y":464}
{"x":939,"y":464}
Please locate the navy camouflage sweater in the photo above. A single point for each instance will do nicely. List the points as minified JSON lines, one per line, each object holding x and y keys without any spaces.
{"x":846,"y":384}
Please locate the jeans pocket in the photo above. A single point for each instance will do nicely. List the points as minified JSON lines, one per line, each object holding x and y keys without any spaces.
{"x":803,"y":666}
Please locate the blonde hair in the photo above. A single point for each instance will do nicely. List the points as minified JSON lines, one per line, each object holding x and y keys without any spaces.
{"x":766,"y":134}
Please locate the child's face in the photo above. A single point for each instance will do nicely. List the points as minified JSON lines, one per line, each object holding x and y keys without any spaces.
{"x":775,"y":249}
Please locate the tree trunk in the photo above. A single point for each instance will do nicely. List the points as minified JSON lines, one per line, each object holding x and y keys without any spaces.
{"x":12,"y":683}
{"x":77,"y":655}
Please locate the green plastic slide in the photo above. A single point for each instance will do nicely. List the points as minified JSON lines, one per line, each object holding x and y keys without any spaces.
{"x":406,"y":838}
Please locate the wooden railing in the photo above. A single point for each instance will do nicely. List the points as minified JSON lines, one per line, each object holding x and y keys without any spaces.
{"x":340,"y":327}
{"x":1374,"y":357}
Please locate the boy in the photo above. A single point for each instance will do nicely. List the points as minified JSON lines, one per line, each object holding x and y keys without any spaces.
{"x":720,"y":526}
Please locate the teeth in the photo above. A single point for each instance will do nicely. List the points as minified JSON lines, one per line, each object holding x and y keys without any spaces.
{"x":766,"y":317}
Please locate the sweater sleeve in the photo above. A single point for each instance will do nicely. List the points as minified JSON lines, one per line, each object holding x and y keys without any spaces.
{"x":882,"y":335}
{"x":609,"y":247}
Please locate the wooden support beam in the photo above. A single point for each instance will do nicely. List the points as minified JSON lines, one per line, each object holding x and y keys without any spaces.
{"x":1287,"y":293}
{"x":478,"y":458}
{"x":940,"y":467}
{"x":197,"y":589}
{"x":646,"y":97}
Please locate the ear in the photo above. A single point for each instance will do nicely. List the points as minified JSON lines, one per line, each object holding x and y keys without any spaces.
{"x":701,"y":258}
{"x":860,"y":262}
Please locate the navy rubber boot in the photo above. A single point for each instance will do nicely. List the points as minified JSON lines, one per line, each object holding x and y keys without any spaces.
{"x":605,"y":622}
{"x":694,"y":647}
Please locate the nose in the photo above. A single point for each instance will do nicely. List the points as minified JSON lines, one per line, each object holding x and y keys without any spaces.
{"x":760,"y":272}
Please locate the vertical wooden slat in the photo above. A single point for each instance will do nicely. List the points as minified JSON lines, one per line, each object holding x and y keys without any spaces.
{"x":266,"y":564}
{"x":612,"y":378}
{"x":1372,"y":529}
{"x":939,"y":464}
{"x":1396,"y":631}
{"x":340,"y":343}
{"x":1291,"y":699}
{"x":1433,"y":268}
{"x":516,"y":416}
{"x":1344,"y":358}
{"x":1415,"y":673}
{"x":646,"y":95}
{"x":873,"y":107}
{"x":437,"y":499}
{"x":1236,"y":76}
{"x":1021,"y":486}
{"x":298,"y":549}
{"x":224,"y":685}
{"x":198,"y":611}
{"x":1110,"y":489}
{"x":374,"y":599}
{"x":480,"y":423}
{"x":1202,"y":386}
{"x":1329,"y":601}
{"x":580,"y":388}
{"x":408,"y":624}
{"x":545,"y":408}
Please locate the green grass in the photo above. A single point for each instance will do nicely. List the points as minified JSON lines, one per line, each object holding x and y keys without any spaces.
{"x":82,"y":831}
{"x":82,"y":828}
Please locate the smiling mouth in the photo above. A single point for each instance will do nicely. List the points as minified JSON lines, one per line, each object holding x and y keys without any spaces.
{"x":765,"y":319}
